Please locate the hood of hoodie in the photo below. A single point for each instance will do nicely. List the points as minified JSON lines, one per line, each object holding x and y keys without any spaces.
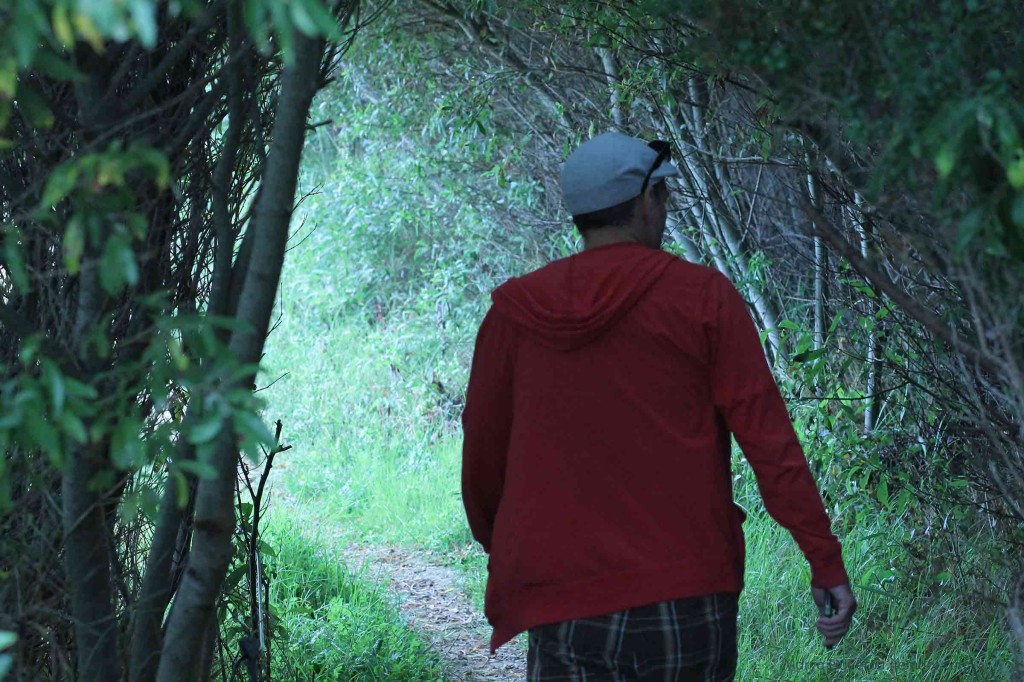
{"x":574,"y":301}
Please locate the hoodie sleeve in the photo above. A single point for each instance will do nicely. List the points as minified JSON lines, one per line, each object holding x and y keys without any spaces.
{"x":746,"y":395}
{"x":486,"y":424}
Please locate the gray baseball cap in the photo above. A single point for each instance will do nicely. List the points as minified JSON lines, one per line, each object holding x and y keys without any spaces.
{"x":609,"y":170}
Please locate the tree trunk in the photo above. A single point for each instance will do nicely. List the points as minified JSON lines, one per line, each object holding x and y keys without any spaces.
{"x":86,"y":540}
{"x":194,"y":607}
{"x":724,"y":217}
{"x":158,"y":583}
{"x":868,"y":252}
{"x":611,"y":72}
{"x":223,"y":175}
{"x":675,"y":232}
{"x":820,"y":266}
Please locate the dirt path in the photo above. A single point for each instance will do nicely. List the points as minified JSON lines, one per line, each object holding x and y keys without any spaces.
{"x":435,"y":606}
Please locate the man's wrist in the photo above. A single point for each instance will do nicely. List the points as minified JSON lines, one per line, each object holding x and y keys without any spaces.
{"x":831,"y":574}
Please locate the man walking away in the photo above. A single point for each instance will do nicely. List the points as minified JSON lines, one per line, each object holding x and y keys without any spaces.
{"x":596,"y":460}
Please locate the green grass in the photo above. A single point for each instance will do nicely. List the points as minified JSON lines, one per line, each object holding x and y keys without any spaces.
{"x":895,"y":637}
{"x":358,"y":460}
{"x":334,"y":625}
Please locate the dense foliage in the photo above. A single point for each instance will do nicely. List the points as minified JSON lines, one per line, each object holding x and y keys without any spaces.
{"x":148,"y":157}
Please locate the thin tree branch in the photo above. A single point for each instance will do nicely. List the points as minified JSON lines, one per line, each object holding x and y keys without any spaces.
{"x":824,"y":229}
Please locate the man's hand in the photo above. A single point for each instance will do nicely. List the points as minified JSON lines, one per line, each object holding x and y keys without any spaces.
{"x":844,"y":604}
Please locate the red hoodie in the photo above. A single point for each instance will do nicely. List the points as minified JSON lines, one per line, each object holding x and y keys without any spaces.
{"x":596,"y":467}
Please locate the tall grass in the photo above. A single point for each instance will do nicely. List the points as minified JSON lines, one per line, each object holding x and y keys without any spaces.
{"x":359,"y":459}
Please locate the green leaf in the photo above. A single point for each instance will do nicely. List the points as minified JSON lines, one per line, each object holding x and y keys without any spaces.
{"x":254,"y":14}
{"x":136,"y":225}
{"x":129,"y":265}
{"x":150,"y":503}
{"x":26,"y":38}
{"x":234,"y":577}
{"x":43,"y":435}
{"x":7,"y":640}
{"x":62,"y":26}
{"x":74,"y":245}
{"x":14,"y":261}
{"x":282,"y":22}
{"x":5,"y":484}
{"x":55,"y":382}
{"x":5,"y":112}
{"x":29,"y":353}
{"x":181,"y":486}
{"x":809,"y":355}
{"x":126,"y":448}
{"x":34,"y":107}
{"x":1015,"y":170}
{"x":79,"y":389}
{"x":970,"y":226}
{"x":945,"y":161}
{"x":883,"y":493}
{"x":144,"y":18}
{"x":111,"y":170}
{"x":312,"y":18}
{"x":8,"y":77}
{"x":206,"y":430}
{"x":88,"y":29}
{"x":61,"y":182}
{"x":156,"y":163}
{"x":904,"y":500}
{"x":49,"y":64}
{"x":181,"y":361}
{"x":197,"y":468}
{"x":129,"y":507}
{"x":110,"y":275}
{"x":303,"y":21}
{"x":73,"y":427}
{"x":117,"y":264}
{"x":191,"y":8}
{"x":253,"y":431}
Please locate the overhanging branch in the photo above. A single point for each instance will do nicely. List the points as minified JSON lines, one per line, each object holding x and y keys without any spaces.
{"x":827,"y":231}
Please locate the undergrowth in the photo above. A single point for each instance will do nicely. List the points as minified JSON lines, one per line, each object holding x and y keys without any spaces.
{"x":334,"y":625}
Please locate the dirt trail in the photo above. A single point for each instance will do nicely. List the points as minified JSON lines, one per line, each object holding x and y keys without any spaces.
{"x":435,"y":606}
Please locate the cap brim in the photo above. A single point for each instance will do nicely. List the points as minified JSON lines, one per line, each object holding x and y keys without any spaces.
{"x":665,"y":170}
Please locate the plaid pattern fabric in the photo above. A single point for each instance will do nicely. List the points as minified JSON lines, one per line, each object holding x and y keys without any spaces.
{"x":686,"y":640}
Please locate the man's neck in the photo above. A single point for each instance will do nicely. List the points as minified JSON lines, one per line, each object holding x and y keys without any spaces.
{"x":606,"y":236}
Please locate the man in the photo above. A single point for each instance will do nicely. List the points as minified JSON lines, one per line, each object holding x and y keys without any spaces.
{"x":596,"y":461}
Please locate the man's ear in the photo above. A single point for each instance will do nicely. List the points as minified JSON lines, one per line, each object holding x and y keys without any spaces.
{"x":644,"y":205}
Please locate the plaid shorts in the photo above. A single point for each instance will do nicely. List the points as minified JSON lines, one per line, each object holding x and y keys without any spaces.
{"x":685,"y":640}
